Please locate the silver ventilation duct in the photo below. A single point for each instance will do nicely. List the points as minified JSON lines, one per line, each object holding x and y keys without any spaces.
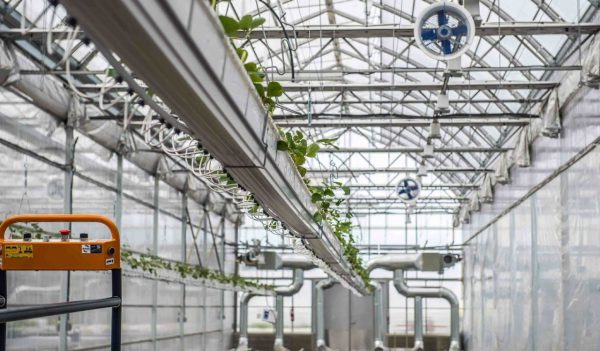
{"x":320,"y":310}
{"x":440,"y":292}
{"x":426,"y":261}
{"x":393,"y":262}
{"x":419,"y":344}
{"x":243,"y":341}
{"x":378,"y":332}
{"x":280,"y":293}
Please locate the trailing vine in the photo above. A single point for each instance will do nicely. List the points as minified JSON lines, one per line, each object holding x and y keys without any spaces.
{"x":267,"y":91}
{"x":326,"y":196}
{"x":152,"y":264}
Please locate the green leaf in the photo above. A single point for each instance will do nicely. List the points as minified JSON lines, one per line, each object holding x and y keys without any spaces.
{"x":346,"y":190}
{"x":111,"y":72}
{"x":282,"y":145}
{"x":242,"y":54}
{"x":246,"y":23}
{"x":256,"y":77}
{"x":230,"y":25}
{"x":312,"y":149}
{"x":298,"y":159}
{"x":260,"y":89}
{"x":251,"y":67}
{"x":328,"y":192}
{"x":302,"y":171}
{"x":274,"y":89}
{"x":316,"y":197}
{"x":318,"y":217}
{"x":257,"y":22}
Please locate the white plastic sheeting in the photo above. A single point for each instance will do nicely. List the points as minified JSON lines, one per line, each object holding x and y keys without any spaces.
{"x":532,"y":278}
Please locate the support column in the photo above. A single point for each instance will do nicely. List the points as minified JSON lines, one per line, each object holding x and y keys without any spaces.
{"x":222,"y":292}
{"x":205,"y":260}
{"x":154,"y":252}
{"x":119,"y":198}
{"x":68,"y":208}
{"x":419,"y":344}
{"x":182,"y":315}
{"x":279,"y":320}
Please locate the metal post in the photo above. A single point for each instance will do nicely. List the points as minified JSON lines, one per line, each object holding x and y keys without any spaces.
{"x":419,"y":345}
{"x":119,"y":198}
{"x":182,"y":317}
{"x":68,"y":208}
{"x":205,"y":259}
{"x":155,"y":251}
{"x":3,"y":303}
{"x":222,"y":308}
{"x":115,"y":335}
{"x":279,"y":320}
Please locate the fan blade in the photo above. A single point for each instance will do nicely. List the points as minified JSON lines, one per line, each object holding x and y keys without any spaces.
{"x":428,"y":34}
{"x":461,"y":29}
{"x":442,"y":17}
{"x":447,"y":46}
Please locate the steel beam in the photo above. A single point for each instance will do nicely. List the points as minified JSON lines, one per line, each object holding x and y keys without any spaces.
{"x":407,"y":102}
{"x":440,"y":70}
{"x":343,"y":31}
{"x":293,"y":122}
{"x":425,"y":187}
{"x":398,"y":170}
{"x":407,"y":31}
{"x":422,"y":86}
{"x":417,"y":149}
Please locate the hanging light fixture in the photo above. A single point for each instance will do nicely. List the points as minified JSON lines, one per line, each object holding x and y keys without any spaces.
{"x":435,"y":130}
{"x":423,"y":169}
{"x":428,"y":150}
{"x":443,"y":103}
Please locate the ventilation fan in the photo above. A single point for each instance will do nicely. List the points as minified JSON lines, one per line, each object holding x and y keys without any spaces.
{"x":444,"y":30}
{"x":408,"y":190}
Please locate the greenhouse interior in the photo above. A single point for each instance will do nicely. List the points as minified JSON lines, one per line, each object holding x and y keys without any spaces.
{"x":327,"y":175}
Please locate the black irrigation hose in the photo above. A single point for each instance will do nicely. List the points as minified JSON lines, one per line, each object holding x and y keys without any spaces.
{"x":285,"y":34}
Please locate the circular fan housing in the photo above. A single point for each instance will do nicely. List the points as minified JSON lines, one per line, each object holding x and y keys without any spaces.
{"x":408,"y":190}
{"x":444,"y":30}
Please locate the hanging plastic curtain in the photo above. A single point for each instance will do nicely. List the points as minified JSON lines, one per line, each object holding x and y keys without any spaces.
{"x":551,"y":116}
{"x":591,"y":62}
{"x":465,"y":215}
{"x":486,"y":191}
{"x":456,"y":220}
{"x":522,"y":152}
{"x":474,"y":204}
{"x":503,"y":169}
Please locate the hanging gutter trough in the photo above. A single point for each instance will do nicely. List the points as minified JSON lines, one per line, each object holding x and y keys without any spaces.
{"x":179,"y":49}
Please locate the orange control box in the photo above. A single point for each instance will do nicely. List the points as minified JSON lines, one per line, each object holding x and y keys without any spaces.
{"x":56,"y":254}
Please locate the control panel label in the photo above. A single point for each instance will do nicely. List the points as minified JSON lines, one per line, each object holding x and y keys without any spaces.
{"x":110,"y":261}
{"x":91,"y":249}
{"x":19,"y":251}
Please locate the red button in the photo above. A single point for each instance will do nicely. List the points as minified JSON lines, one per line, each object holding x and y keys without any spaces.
{"x":64,"y":232}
